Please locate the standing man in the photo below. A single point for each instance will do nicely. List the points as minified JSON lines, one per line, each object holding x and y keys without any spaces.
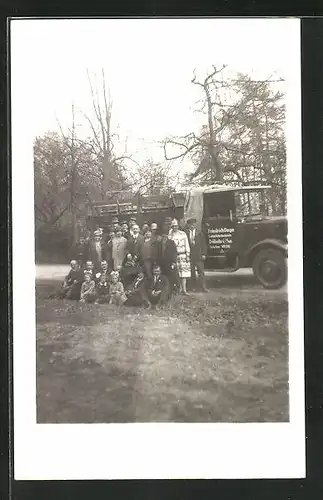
{"x":135,"y":241}
{"x":166,"y":258}
{"x":132,"y":222}
{"x":125,"y":230}
{"x":96,"y":249}
{"x":197,"y":244}
{"x":115,"y":223}
{"x":78,"y":252}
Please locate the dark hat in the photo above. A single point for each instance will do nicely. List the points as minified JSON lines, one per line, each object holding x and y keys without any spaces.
{"x":192,"y":219}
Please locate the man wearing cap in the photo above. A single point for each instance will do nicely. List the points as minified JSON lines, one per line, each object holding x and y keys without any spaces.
{"x":97,"y":249}
{"x":154,"y":232}
{"x":198,"y":248}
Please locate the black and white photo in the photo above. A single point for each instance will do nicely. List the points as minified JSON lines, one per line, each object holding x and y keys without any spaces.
{"x":157,"y":248}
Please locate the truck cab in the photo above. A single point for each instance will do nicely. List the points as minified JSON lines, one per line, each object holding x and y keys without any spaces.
{"x":240,"y":232}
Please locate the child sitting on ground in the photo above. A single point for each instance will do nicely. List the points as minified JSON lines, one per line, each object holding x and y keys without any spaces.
{"x":88,"y":288}
{"x":89,"y":268}
{"x":102,"y":290}
{"x":72,"y":283}
{"x":116,"y":290}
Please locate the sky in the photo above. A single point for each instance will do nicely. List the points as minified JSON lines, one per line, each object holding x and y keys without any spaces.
{"x":148,"y":65}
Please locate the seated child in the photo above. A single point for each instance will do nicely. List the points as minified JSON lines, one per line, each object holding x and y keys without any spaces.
{"x":102,"y":290}
{"x":116,"y":290}
{"x":88,"y":288}
{"x":89,"y":268}
{"x":72,"y":283}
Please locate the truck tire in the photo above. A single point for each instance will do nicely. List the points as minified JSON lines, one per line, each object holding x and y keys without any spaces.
{"x":270,"y":268}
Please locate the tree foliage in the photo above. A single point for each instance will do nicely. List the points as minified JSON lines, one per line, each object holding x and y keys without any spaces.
{"x":243,"y":139}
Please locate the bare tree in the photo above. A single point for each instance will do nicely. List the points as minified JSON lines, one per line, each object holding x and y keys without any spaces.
{"x":204,"y":147}
{"x":111,"y":166}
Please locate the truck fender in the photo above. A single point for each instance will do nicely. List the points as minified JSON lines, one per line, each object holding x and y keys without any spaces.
{"x":269,"y":242}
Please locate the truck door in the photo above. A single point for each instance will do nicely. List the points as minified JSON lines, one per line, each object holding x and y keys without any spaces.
{"x":219,"y":225}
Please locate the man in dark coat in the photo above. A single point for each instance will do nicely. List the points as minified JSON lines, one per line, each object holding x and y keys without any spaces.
{"x":97,"y":250}
{"x":198,"y":248}
{"x":135,"y":241}
{"x":166,"y":257}
{"x":78,"y":252}
{"x":71,"y":286}
{"x":157,"y":287}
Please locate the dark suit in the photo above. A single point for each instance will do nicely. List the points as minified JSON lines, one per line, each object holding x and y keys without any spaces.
{"x":94,"y":256}
{"x":78,"y":253}
{"x":134,"y":245}
{"x":198,"y":250}
{"x":166,"y":255}
{"x":158,"y":284}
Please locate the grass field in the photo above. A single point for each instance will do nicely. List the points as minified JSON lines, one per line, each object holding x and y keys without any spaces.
{"x":218,"y":357}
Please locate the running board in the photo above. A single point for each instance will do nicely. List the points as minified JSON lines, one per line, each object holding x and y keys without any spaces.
{"x":225,"y":270}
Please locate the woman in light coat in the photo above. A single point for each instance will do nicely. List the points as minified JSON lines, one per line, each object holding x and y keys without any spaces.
{"x":119,"y":243}
{"x":183,"y":263}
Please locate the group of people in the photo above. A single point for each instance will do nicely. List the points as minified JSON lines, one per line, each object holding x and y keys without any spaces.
{"x":136,"y":265}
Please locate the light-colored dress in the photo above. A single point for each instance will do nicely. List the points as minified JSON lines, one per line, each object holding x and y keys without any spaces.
{"x":118,"y":251}
{"x":183,"y":253}
{"x":117,"y":294}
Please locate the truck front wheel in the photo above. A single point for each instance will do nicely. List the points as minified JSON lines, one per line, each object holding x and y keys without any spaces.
{"x":269,"y":267}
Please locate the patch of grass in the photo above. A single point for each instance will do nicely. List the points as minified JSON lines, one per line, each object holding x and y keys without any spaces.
{"x":199,"y":359}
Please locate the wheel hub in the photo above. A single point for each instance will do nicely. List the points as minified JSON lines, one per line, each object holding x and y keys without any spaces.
{"x":270,"y":270}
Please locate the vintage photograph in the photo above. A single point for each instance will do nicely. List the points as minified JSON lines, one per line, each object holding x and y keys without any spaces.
{"x":161,"y":223}
{"x":157,"y":248}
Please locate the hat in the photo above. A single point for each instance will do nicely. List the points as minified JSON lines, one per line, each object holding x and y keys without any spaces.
{"x":191,"y":220}
{"x":154,"y":225}
{"x":115,"y":220}
{"x":174,"y":223}
{"x":133,"y":218}
{"x":98,"y":232}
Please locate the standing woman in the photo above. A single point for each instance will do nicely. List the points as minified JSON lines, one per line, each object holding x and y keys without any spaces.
{"x":119,"y":243}
{"x":183,"y":254}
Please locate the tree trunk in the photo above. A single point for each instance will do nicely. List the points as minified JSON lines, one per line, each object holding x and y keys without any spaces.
{"x":212,"y":151}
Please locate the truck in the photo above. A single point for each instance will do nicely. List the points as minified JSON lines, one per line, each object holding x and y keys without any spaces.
{"x":239,"y":228}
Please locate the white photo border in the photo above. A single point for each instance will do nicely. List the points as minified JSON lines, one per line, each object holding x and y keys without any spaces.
{"x":152,"y":450}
